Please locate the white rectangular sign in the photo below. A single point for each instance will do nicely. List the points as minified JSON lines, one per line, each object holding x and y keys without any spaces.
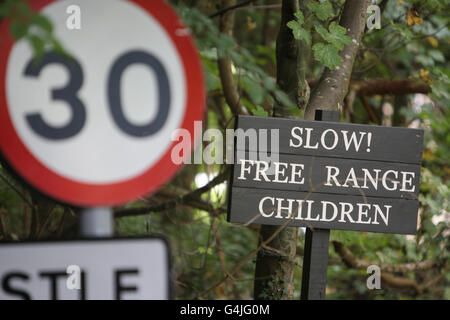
{"x":133,"y":268}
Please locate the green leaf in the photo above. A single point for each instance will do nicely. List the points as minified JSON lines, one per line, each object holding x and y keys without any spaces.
{"x":259,"y":111}
{"x":38,"y":45}
{"x":18,"y":29}
{"x":404,"y":30}
{"x":322,"y":32}
{"x":338,"y":36}
{"x":322,"y":10}
{"x":300,"y":17}
{"x":436,"y":55}
{"x":294,"y":25}
{"x":21,"y":8}
{"x":42,"y":22}
{"x":335,"y":36}
{"x":254,"y":90}
{"x":299,"y":32}
{"x":4,"y":11}
{"x":283,"y":98}
{"x":269,"y":84}
{"x":327,"y":54}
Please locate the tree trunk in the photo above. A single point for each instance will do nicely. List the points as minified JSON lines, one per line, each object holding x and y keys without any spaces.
{"x":230,"y":90}
{"x":275,"y":264}
{"x":332,"y":88}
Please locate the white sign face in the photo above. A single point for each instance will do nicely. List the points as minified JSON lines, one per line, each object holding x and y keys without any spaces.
{"x":83,"y":156}
{"x":102,"y":120}
{"x":105,"y":269}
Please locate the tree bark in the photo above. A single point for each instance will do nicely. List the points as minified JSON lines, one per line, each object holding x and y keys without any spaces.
{"x":229,"y":87}
{"x":275,"y":264}
{"x":397,"y":87}
{"x":292,"y":55}
{"x":333,"y":85}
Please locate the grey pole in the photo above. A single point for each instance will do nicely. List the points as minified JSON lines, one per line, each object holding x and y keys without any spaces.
{"x":96,"y":222}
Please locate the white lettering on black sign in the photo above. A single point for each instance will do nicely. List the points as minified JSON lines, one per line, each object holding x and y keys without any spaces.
{"x":329,"y":175}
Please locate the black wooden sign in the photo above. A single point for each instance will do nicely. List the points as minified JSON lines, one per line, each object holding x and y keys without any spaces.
{"x":326,"y":175}
{"x":324,"y":211}
{"x":340,"y":140}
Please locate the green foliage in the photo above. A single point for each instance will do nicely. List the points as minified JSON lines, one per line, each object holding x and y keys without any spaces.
{"x":34,"y":27}
{"x":299,"y":32}
{"x":322,"y":10}
{"x":327,"y":54}
{"x":335,"y":37}
{"x":259,"y":88}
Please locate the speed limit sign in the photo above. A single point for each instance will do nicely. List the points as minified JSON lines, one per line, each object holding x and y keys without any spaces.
{"x":96,"y":129}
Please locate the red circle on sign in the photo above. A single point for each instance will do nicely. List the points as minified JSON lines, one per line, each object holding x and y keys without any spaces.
{"x":83,"y":194}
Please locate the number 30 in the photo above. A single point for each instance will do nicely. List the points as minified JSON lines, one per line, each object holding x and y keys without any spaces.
{"x":68,"y":93}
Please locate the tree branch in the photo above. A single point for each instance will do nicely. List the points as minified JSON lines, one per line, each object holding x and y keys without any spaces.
{"x":262,"y":244}
{"x":372,"y":115}
{"x":372,"y":87}
{"x":181,"y":200}
{"x":274,"y":277}
{"x":292,"y":57}
{"x":387,"y":270}
{"x":229,"y":8}
{"x":385,"y":86}
{"x":351,"y":261}
{"x":400,"y":282}
{"x":333,"y":85}
{"x":230,"y":89}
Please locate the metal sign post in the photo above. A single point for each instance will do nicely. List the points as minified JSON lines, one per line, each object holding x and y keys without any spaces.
{"x":96,"y":222}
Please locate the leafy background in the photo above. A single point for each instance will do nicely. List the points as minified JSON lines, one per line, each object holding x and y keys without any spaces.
{"x":212,"y":259}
